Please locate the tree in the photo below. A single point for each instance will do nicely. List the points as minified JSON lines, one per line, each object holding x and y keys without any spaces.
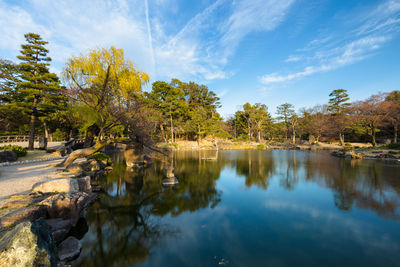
{"x":169,"y":101}
{"x":107,"y":86}
{"x":38,"y":90}
{"x":370,"y":115}
{"x":10,"y":115}
{"x":257,"y":118}
{"x":287,"y":114}
{"x":392,"y":109}
{"x":338,"y":107}
{"x":314,"y":121}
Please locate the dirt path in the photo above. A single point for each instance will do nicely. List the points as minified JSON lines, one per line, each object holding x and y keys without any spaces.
{"x":19,"y":179}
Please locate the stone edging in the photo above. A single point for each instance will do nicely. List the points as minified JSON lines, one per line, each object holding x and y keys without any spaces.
{"x":3,"y":164}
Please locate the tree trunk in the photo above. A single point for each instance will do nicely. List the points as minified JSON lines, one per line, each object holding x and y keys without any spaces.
{"x":80,"y":153}
{"x":172,"y":129}
{"x":373,"y":137}
{"x":259,"y":136}
{"x":163,"y":133}
{"x":249,"y":132}
{"x":32,"y":125}
{"x":395,"y":129}
{"x":341,"y":138}
{"x":293,"y":136}
{"x":46,"y":130}
{"x":198,"y":136}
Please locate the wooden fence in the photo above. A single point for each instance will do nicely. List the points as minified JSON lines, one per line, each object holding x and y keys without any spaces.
{"x":25,"y":138}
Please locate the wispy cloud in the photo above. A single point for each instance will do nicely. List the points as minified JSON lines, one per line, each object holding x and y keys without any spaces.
{"x":203,"y":47}
{"x":332,"y":59}
{"x":374,"y":29}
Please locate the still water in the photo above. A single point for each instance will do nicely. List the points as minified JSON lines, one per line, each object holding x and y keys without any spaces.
{"x":248,"y":208}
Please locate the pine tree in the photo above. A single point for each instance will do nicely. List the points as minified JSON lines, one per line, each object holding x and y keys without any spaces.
{"x":39,"y":90}
{"x":338,"y":106}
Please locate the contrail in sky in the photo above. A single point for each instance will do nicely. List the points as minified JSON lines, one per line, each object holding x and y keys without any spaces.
{"x":150,"y":37}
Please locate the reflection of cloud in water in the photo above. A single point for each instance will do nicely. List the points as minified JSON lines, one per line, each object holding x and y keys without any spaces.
{"x":328,"y":222}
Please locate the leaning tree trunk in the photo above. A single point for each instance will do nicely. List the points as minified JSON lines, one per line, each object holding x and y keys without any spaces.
{"x":80,"y":153}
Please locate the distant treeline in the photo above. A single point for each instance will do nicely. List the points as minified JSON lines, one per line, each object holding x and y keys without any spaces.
{"x":101,"y":96}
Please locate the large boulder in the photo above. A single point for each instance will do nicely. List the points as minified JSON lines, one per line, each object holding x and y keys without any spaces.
{"x":59,"y":228}
{"x":26,"y":213}
{"x":69,"y":249}
{"x":84,"y":184}
{"x":28,"y":244}
{"x":75,"y":169}
{"x":67,"y":206}
{"x":8,"y":156}
{"x":58,"y":185}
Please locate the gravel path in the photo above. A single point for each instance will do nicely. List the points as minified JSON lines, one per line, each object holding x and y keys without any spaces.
{"x":19,"y":179}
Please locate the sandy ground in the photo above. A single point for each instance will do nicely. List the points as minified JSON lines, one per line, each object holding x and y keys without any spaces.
{"x":19,"y":179}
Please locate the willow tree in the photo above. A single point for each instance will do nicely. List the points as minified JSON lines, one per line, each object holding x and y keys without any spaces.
{"x":105,"y":85}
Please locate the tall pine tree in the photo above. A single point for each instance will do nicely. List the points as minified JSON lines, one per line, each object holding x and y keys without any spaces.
{"x":38,"y":88}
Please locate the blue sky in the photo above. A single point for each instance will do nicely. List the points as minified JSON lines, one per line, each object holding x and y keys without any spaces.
{"x":266,"y":51}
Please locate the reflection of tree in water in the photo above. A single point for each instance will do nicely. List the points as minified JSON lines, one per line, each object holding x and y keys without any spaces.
{"x":124,"y":224}
{"x":366,"y":184}
{"x":256,"y":166}
{"x":290,"y":178}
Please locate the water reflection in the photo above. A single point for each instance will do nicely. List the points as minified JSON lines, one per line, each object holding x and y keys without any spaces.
{"x":128,"y":221}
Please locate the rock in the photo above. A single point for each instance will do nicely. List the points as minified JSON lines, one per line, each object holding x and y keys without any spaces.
{"x":59,"y":185}
{"x":28,"y":244}
{"x":67,"y":205}
{"x":84,"y":184}
{"x":8,"y":156}
{"x":94,"y":165}
{"x":75,"y":169}
{"x":108,"y":168}
{"x":169,"y":181}
{"x":169,"y":172}
{"x":59,"y":228}
{"x":69,"y":249}
{"x":42,"y":142}
{"x":80,"y":229}
{"x":27,"y":213}
{"x":355,"y":155}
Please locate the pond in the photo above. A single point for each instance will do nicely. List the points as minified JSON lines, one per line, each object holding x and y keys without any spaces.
{"x":248,"y":208}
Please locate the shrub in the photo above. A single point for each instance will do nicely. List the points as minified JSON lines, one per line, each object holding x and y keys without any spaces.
{"x":393,"y":145}
{"x":260,"y":146}
{"x":51,"y":150}
{"x":100,"y":157}
{"x":347,"y":144}
{"x":19,"y":150}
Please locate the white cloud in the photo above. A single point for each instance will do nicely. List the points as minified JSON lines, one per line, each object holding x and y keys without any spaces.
{"x":200,"y":50}
{"x":329,"y":53}
{"x":336,"y":58}
{"x":293,"y":59}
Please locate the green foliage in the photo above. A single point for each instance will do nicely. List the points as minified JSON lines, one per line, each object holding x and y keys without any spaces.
{"x":338,"y":101}
{"x":393,"y":146}
{"x":348,"y":144}
{"x":59,"y":135}
{"x":51,"y":150}
{"x":19,"y":150}
{"x":260,"y":146}
{"x":100,"y":157}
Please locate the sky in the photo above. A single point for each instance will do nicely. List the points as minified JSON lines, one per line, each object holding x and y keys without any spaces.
{"x":257,"y":51}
